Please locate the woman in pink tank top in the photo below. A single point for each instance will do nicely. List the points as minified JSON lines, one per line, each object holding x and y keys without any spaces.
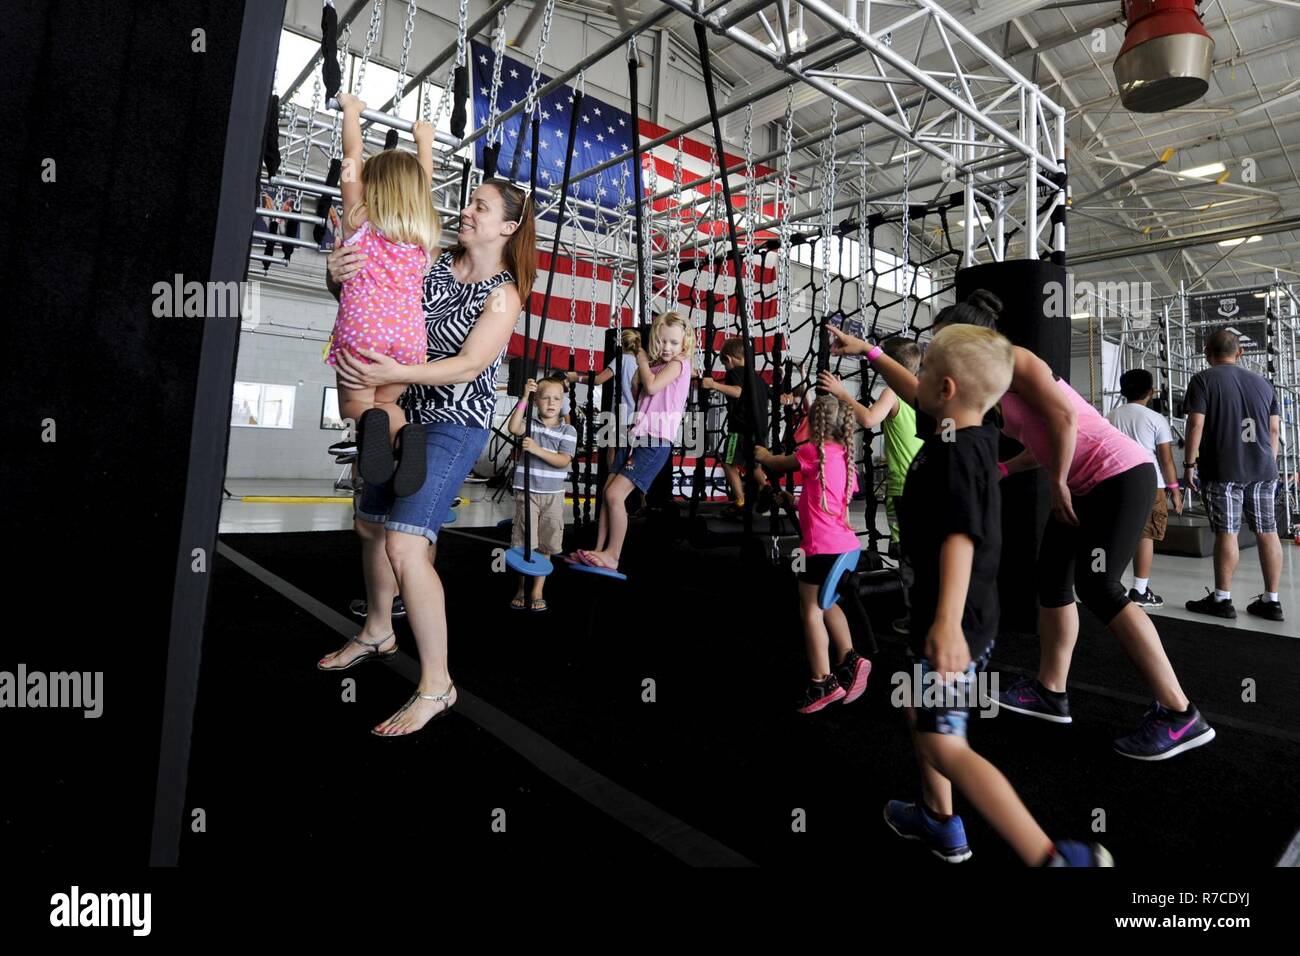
{"x":1102,"y":488}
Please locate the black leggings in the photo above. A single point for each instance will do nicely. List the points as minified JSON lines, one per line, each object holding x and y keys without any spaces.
{"x":1091,"y":557}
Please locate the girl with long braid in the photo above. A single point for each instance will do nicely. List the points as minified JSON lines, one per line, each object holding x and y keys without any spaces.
{"x":829,"y":480}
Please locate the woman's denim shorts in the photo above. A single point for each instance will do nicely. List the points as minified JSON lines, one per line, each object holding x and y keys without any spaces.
{"x":641,"y":465}
{"x":451,"y":451}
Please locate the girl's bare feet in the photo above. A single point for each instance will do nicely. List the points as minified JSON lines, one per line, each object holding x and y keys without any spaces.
{"x":602,"y":559}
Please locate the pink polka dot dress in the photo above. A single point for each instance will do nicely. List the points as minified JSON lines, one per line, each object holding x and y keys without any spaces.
{"x":380,"y":308}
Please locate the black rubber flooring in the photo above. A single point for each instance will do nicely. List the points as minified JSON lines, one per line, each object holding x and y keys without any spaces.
{"x":283,"y":767}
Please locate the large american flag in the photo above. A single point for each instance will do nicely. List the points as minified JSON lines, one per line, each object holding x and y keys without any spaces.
{"x":604,"y":131}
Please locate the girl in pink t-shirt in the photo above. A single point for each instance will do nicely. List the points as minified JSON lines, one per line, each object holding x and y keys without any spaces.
{"x":664,"y":378}
{"x":828,"y":481}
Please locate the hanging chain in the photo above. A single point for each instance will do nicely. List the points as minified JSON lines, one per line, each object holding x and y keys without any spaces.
{"x":376,"y":15}
{"x":336,"y":131}
{"x":494,"y":134}
{"x":617,"y":317}
{"x":675,"y":228}
{"x":828,"y":203}
{"x":573,"y":291}
{"x":462,"y":27}
{"x":863,"y":252}
{"x":751,"y":213}
{"x":308,"y":129}
{"x":783,"y":258}
{"x":402,"y":60}
{"x":530,"y":100}
{"x":907,"y":232}
{"x":595,"y":272}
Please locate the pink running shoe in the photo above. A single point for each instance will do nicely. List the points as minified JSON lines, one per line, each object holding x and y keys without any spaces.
{"x":821,"y":693}
{"x":852,"y":674}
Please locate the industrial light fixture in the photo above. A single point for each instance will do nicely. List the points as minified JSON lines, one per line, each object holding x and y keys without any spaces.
{"x":1209,"y":169}
{"x":1229,"y":243}
{"x":1268,"y":103}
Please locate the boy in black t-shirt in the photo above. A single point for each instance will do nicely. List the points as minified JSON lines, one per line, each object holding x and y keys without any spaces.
{"x":950,"y":519}
{"x":740,"y":430}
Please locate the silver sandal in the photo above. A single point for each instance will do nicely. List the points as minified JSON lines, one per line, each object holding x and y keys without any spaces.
{"x":374,"y":652}
{"x":444,"y":699}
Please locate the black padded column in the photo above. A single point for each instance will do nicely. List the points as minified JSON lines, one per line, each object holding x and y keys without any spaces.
{"x":1029,"y":289}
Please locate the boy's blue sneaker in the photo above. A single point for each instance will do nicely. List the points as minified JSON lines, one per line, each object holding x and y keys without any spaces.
{"x":1074,"y":853}
{"x":1164,"y":733}
{"x":911,"y":821}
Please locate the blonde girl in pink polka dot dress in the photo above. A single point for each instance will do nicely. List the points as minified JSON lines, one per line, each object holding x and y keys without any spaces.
{"x":388,"y":214}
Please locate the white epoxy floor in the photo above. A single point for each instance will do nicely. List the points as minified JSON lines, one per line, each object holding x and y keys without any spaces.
{"x":1176,"y":579}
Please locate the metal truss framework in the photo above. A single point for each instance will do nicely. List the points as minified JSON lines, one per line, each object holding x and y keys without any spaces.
{"x":992,"y":133}
{"x":1165,"y":339}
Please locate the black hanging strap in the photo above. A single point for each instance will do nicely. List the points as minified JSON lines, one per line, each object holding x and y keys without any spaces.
{"x":546,"y":305}
{"x":751,"y":390}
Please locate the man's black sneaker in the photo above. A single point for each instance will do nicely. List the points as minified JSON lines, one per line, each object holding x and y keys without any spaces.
{"x":1269,"y":610}
{"x":1146,"y":599}
{"x":359,"y":607}
{"x":1164,"y":733}
{"x":1212,"y":605}
{"x":1032,"y":699}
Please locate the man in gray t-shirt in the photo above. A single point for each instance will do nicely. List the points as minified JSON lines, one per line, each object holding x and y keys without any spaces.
{"x":1232,"y":424}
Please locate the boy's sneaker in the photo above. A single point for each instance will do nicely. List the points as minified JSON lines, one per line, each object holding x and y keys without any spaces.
{"x":359,"y":607}
{"x":1164,"y":733}
{"x":1269,"y":610}
{"x":852,"y":675}
{"x":1146,"y":598}
{"x":1074,"y":853}
{"x":344,"y":451}
{"x":1212,"y":605}
{"x":820,"y":694}
{"x":1032,"y":699}
{"x":911,"y":821}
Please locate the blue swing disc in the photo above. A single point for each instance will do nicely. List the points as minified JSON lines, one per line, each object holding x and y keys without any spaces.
{"x":830,"y":593}
{"x":599,"y":572}
{"x":539,"y":567}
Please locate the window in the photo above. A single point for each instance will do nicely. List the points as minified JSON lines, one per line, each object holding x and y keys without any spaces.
{"x":255,"y":405}
{"x":844,"y":262}
{"x":330,"y":416}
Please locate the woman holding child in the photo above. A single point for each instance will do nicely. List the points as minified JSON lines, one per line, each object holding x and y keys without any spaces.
{"x":472,"y":297}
